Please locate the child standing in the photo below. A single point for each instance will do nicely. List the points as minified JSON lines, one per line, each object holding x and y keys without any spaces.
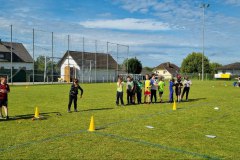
{"x":171,"y":84}
{"x":73,"y":95}
{"x":161,"y":85}
{"x":120,"y":84}
{"x":153,"y":88}
{"x":187,"y":83}
{"x":4,"y":90}
{"x":147,"y":89}
{"x":139,"y":91}
{"x":129,"y":90}
{"x":178,"y":88}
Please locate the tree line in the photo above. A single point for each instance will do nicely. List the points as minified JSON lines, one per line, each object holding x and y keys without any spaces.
{"x":191,"y":64}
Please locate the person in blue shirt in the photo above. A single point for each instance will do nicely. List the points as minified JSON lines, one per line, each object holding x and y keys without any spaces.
{"x":171,"y":85}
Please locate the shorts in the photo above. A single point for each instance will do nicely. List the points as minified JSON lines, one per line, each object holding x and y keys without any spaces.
{"x":147,"y":93}
{"x":160,"y":92}
{"x":3,"y":102}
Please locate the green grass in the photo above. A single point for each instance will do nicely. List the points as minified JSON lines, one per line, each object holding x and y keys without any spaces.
{"x":122,"y":132}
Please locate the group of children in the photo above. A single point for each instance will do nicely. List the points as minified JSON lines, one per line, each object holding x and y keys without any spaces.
{"x":133,"y":88}
{"x":178,"y":88}
{"x":151,"y":87}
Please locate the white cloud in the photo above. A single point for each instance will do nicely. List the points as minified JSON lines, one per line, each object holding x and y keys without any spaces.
{"x":127,"y":24}
{"x":233,"y":2}
{"x":137,"y":5}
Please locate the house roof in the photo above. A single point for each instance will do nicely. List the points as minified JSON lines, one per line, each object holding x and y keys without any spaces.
{"x":18,"y":49}
{"x":233,"y":66}
{"x":170,"y":67}
{"x":101,"y":59}
{"x":145,"y":71}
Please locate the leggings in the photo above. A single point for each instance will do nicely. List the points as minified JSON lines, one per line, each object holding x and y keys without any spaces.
{"x":186,"y":89}
{"x":129,"y":97}
{"x":74,"y":99}
{"x":119,"y":96}
{"x":154,"y":94}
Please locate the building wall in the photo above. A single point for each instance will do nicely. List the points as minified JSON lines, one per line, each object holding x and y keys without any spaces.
{"x":163,"y":73}
{"x":16,"y":65}
{"x":232,"y":72}
{"x":100,"y":75}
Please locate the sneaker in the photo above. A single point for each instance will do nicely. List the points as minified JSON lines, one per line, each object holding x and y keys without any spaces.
{"x":7,"y":117}
{"x":69,"y":111}
{"x":75,"y":110}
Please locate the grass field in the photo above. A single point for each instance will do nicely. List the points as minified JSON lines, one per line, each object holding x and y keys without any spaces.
{"x":122,"y":131}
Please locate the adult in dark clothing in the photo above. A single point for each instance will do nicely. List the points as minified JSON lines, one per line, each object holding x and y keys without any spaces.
{"x":73,"y":95}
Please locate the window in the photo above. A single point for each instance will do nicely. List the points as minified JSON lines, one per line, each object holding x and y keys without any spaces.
{"x":2,"y":56}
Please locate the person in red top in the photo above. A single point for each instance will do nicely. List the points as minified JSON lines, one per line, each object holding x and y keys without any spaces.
{"x":4,"y":90}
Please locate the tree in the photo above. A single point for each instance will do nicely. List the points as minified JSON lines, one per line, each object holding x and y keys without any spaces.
{"x":193,"y":64}
{"x":39,"y":64}
{"x":214,"y":66}
{"x":134,"y":65}
{"x":149,"y":69}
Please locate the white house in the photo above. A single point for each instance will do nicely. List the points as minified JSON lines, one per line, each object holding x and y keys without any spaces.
{"x":167,"y":70}
{"x":88,"y":67}
{"x":22,"y":61}
{"x":20,"y":58}
{"x":228,"y":70}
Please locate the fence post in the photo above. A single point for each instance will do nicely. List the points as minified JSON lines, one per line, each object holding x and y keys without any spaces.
{"x":82,"y":59}
{"x":52,"y":57}
{"x":107,"y":61}
{"x":11,"y":58}
{"x":33,"y":54}
{"x":95,"y":61}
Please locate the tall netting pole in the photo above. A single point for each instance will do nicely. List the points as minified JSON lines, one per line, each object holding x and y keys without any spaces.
{"x":68,"y":72}
{"x":96,"y":61}
{"x":127,"y":58}
{"x":52,"y":57}
{"x":117,"y":58}
{"x":33,"y":55}
{"x":11,"y":58}
{"x":107,"y":61}
{"x":82,"y":58}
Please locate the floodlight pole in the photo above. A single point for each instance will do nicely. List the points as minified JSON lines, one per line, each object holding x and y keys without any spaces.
{"x":203,"y":6}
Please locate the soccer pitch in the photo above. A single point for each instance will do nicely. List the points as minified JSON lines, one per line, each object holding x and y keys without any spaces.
{"x":143,"y":131}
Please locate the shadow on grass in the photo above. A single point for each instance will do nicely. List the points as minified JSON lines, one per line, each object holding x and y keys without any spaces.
{"x":193,"y":100}
{"x":96,"y":109}
{"x":30,"y":116}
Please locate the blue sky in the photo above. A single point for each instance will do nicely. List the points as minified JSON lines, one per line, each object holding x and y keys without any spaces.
{"x":156,"y":30}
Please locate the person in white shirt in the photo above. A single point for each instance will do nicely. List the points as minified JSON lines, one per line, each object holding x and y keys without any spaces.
{"x":186,"y":83}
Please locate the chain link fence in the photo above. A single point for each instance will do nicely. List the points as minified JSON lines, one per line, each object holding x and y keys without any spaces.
{"x":32,"y":55}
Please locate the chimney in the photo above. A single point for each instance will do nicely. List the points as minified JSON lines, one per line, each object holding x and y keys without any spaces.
{"x":168,"y":64}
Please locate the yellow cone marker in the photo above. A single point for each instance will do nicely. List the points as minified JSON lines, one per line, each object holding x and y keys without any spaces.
{"x":36,"y":113}
{"x":174,"y":106}
{"x":92,"y":126}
